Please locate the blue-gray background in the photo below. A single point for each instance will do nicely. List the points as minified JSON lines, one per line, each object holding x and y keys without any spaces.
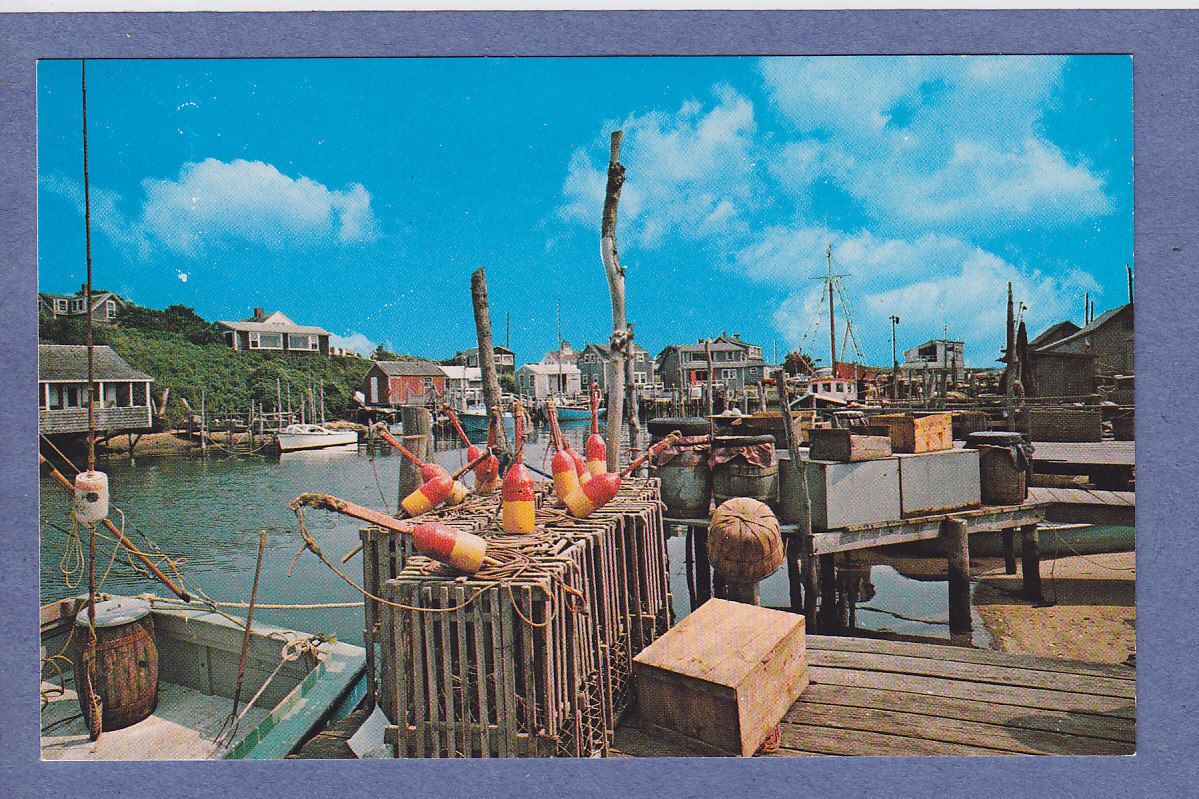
{"x":1166,"y":96}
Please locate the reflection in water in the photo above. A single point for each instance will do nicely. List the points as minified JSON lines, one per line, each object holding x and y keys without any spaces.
{"x":207,"y":513}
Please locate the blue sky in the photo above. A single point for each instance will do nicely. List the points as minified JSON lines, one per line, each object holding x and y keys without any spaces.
{"x":359,"y":194}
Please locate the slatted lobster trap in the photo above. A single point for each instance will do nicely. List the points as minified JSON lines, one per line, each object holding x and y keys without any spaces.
{"x":530,"y":658}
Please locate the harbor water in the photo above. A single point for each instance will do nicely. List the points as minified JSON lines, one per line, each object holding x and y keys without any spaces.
{"x":207,"y":513}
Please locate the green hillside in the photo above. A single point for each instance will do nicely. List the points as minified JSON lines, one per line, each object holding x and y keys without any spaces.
{"x":183,"y":352}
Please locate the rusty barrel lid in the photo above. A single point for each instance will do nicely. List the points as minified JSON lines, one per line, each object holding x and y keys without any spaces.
{"x":116,"y":612}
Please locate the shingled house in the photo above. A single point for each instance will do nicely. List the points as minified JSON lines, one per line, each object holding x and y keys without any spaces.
{"x":274,"y":332}
{"x":123,"y":393}
{"x":105,"y":305}
{"x":1068,"y":364}
{"x":404,"y":382}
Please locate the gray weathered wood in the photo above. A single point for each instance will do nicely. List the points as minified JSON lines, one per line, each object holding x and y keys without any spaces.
{"x":956,"y":538}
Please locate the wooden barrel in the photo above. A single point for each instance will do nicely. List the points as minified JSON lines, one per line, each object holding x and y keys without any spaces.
{"x":125,"y":675}
{"x":1001,"y":481}
{"x":738,"y":478}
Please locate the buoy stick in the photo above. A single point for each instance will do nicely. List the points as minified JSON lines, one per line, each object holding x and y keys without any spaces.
{"x":386,"y":435}
{"x":655,"y":449}
{"x":125,"y":542}
{"x":347,"y":508}
{"x":468,"y":467}
{"x":453,"y":417}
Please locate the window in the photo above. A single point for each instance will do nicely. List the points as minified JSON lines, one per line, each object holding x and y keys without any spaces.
{"x":302,"y":341}
{"x":110,"y":309}
{"x":266,"y":341}
{"x":639,"y":378}
{"x":60,"y":306}
{"x":728,"y":374}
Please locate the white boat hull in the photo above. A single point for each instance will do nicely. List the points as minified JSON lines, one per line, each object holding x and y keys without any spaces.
{"x":294,"y":442}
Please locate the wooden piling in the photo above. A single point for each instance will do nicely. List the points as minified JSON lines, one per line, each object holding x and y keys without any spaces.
{"x":703,"y":569}
{"x":1009,"y":550}
{"x":828,"y":592}
{"x":956,"y":539}
{"x":1030,"y":555}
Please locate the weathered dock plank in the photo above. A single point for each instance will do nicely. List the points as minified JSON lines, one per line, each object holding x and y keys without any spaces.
{"x":873,"y":697}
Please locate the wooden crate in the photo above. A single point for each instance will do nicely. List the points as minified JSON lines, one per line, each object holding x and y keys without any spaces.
{"x":911,"y":434}
{"x":936,"y":482}
{"x":1065,"y":424}
{"x":849,"y":446}
{"x":530,"y":663}
{"x":724,"y":677}
{"x":851,"y":494}
{"x":966,"y":422}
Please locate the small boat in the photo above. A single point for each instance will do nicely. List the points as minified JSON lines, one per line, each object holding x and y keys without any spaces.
{"x":285,"y":701}
{"x":474,"y":419}
{"x":296,"y":437}
{"x":1056,"y":540}
{"x":576,"y":413}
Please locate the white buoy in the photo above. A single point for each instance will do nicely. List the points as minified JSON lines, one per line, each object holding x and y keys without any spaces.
{"x":90,"y":502}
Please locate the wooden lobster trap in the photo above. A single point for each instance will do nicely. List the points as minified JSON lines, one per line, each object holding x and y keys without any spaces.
{"x":529,"y":659}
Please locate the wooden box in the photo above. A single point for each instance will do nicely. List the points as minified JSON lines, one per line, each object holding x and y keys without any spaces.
{"x":723,"y":677}
{"x":911,"y":434}
{"x":935,"y":482}
{"x":853,"y":494}
{"x":1065,"y":424}
{"x":849,"y":446}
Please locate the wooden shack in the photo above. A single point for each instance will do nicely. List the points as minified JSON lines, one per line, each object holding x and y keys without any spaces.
{"x":122,"y":393}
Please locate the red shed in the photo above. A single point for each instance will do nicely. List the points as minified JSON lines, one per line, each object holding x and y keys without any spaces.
{"x":404,"y":382}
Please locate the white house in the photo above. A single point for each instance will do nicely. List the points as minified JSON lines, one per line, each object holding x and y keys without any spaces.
{"x":463,"y":385}
{"x":545,"y":380}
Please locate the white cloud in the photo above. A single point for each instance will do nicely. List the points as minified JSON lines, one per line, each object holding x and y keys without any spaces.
{"x":935,"y":283}
{"x":214,"y":201}
{"x":691,"y":172}
{"x":354,"y":342}
{"x":922,"y":140}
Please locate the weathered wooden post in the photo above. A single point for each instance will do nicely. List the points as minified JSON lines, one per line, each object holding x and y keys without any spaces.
{"x":621,"y":338}
{"x":1030,"y":556}
{"x":1009,"y":550}
{"x":956,"y":539}
{"x":418,"y":438}
{"x":703,"y":569}
{"x":491,"y":379}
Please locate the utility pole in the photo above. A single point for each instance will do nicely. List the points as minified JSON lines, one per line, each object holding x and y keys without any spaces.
{"x":894,"y":360}
{"x":1129,"y":269}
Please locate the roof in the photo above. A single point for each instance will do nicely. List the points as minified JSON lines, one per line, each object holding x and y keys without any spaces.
{"x":1096,"y":323}
{"x":276,"y":322}
{"x":410,"y":368}
{"x":717,"y":346}
{"x":1055,"y":333}
{"x":468,"y":373}
{"x":69,"y":362}
{"x":550,"y":368}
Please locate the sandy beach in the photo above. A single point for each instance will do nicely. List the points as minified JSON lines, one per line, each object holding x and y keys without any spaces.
{"x":1092,"y":616}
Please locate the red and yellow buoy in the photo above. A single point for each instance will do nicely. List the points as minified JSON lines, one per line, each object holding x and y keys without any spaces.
{"x":566,"y":477}
{"x":433,"y":492}
{"x":580,"y":464}
{"x":487,"y":472}
{"x":458,"y":548}
{"x":603,"y":488}
{"x":517,"y":509}
{"x":437,"y":486}
{"x":595,"y":449}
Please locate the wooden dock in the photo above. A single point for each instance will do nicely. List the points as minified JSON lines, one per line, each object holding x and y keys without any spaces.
{"x":812,"y":560}
{"x":873,"y":697}
{"x":1110,"y":465}
{"x":1087,"y":506}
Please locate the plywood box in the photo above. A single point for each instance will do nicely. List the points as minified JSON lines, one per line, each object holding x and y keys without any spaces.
{"x":852,"y":494}
{"x":850,"y":446}
{"x":911,"y":434}
{"x":934,"y":482}
{"x":723,"y":677}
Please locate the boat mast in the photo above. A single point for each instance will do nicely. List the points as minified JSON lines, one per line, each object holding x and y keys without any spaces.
{"x":832,"y":314}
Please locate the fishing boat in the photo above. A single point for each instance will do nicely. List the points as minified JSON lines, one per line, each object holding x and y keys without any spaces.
{"x":474,"y":419}
{"x":297,"y":437}
{"x":295,"y":684}
{"x":576,"y":413}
